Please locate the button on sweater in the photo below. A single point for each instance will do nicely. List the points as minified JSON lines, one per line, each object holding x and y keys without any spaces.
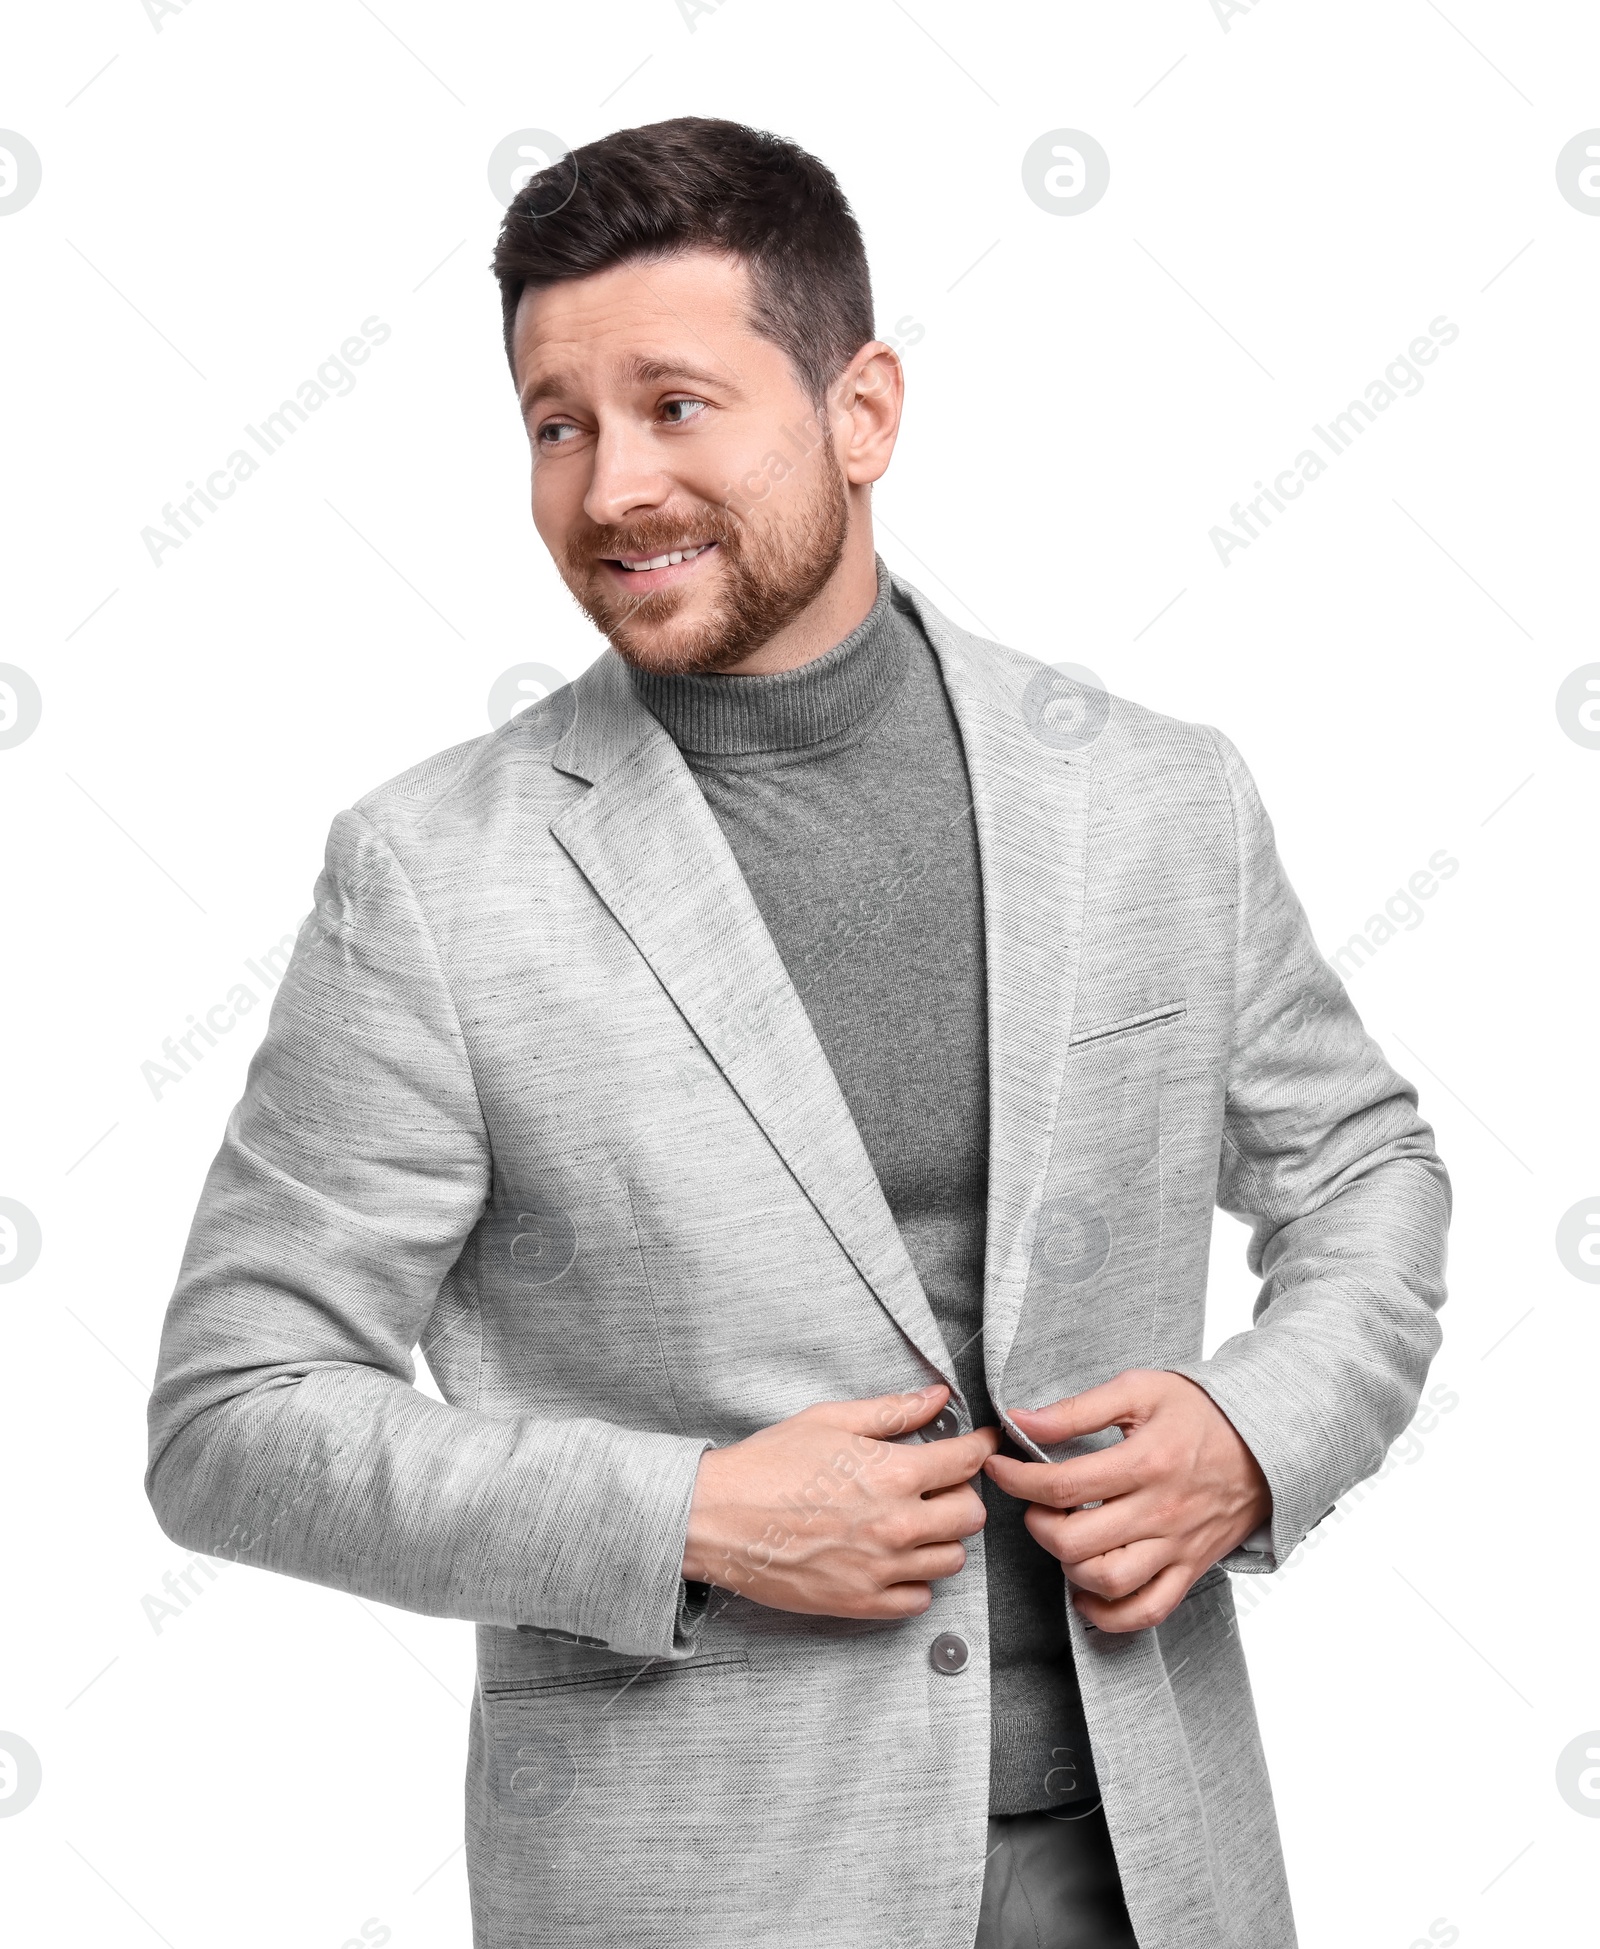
{"x":842,"y":790}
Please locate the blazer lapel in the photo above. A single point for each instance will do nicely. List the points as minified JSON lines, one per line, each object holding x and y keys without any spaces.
{"x":1031,"y":804}
{"x":649,"y":845}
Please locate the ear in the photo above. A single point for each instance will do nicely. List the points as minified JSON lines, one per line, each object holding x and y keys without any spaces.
{"x":866,"y":400}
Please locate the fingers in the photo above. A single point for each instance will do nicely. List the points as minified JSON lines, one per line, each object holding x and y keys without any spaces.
{"x":920,"y":1540}
{"x":934,"y":1560}
{"x":1119,"y":1573}
{"x":1108,"y":1472}
{"x":891,"y":1602}
{"x":1083,"y":1534}
{"x":1137,"y":1610}
{"x":904,"y":1587}
{"x":1154,"y":1603}
{"x":883,"y":1416}
{"x":937,"y":1464}
{"x":905,"y":1582}
{"x":1115,"y":1403}
{"x":1099,"y":1548}
{"x":898,"y":1600}
{"x":950,"y":1513}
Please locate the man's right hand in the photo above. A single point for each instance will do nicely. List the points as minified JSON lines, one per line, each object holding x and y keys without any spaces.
{"x":822,"y":1513}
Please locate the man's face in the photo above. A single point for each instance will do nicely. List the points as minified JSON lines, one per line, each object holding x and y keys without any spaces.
{"x":662,"y":425}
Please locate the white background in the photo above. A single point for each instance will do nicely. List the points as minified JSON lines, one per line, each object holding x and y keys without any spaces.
{"x":1295,"y":194}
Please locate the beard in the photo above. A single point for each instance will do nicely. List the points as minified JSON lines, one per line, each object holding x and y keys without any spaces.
{"x":764,"y":578}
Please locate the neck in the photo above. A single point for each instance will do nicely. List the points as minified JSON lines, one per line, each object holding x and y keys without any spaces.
{"x":718,"y":719}
{"x":839,"y":607}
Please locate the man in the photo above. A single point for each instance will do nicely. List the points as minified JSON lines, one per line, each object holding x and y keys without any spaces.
{"x":783,"y":1082}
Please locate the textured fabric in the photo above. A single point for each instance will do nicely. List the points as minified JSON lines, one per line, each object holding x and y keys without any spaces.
{"x":805,"y":711}
{"x":1051,"y":1883}
{"x":537,"y":1094}
{"x":842,"y":790}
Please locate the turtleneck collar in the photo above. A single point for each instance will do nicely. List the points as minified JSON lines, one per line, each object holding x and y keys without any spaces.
{"x":819,"y":704}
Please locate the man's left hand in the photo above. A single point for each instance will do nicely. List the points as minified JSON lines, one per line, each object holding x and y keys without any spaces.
{"x":1178,"y":1492}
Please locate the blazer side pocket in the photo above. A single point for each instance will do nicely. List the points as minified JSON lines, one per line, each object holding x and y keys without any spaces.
{"x":607,"y":1677}
{"x":556,"y":1745}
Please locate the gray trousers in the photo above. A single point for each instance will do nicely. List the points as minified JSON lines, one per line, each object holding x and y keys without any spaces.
{"x":1051,"y":1882}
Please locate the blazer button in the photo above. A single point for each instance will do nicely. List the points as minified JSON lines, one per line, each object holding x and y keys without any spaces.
{"x":948,"y":1653}
{"x":943,"y":1425}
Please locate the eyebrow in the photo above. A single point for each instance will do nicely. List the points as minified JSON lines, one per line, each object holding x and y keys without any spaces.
{"x":641,"y":370}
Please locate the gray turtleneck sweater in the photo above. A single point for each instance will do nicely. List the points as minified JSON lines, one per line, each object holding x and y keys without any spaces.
{"x":842,"y":789}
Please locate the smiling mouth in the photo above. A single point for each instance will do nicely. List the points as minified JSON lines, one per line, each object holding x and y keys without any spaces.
{"x":670,"y":565}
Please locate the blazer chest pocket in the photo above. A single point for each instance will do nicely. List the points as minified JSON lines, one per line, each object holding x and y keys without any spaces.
{"x":1126,"y":1026}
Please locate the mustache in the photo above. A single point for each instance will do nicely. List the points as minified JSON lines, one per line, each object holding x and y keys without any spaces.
{"x":656,"y":534}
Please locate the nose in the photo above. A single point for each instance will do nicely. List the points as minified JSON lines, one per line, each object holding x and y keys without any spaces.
{"x":628,"y":478}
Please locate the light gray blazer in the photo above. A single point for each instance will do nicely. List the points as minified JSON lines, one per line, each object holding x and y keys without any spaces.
{"x":538,"y":1095}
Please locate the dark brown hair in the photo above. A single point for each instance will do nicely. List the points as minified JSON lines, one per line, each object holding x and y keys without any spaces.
{"x":697,"y":183}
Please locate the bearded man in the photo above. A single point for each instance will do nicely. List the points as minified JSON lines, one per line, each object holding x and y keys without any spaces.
{"x":782,"y":1081}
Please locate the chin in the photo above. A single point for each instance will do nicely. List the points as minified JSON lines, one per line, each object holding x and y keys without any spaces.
{"x":668,"y":653}
{"x":674,"y":645}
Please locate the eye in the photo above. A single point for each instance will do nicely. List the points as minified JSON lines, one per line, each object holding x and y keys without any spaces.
{"x":692,"y":408}
{"x":557,"y":433}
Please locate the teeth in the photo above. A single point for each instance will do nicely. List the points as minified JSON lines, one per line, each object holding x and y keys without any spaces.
{"x":667,"y":561}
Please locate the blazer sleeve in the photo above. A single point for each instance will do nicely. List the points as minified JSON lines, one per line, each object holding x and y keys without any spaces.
{"x":1324,"y":1155}
{"x":285,"y":1429}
